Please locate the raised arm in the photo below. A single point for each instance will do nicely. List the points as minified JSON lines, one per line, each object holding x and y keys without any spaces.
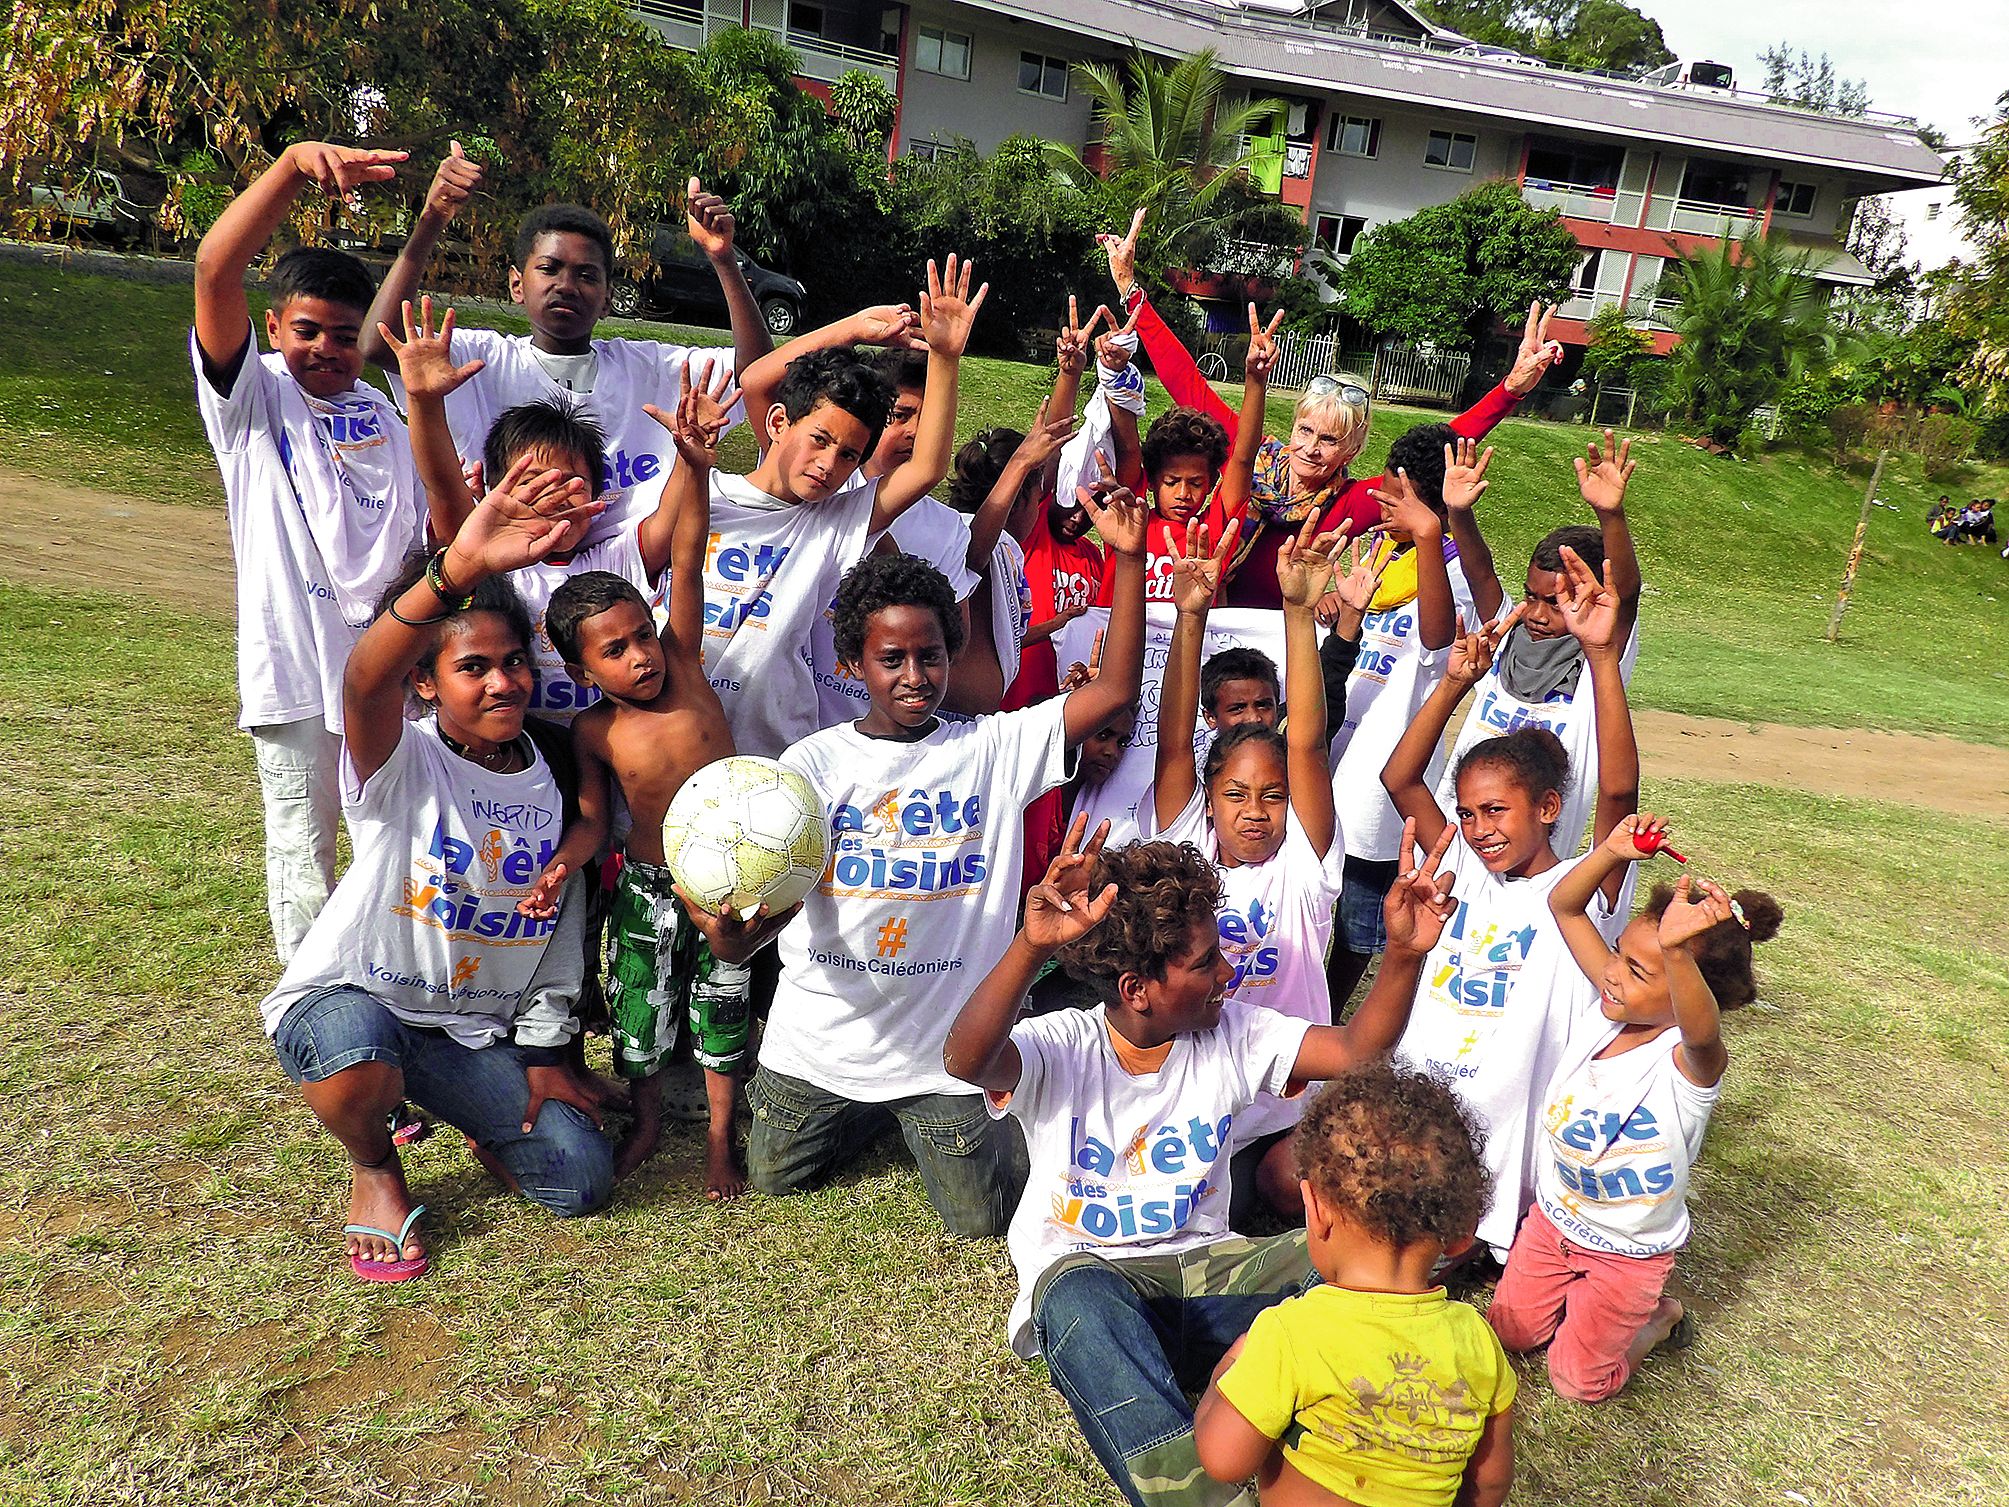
{"x":1570,"y":900}
{"x":1071,"y":348}
{"x":222,"y":310}
{"x":1602,"y":479}
{"x":1418,"y":904}
{"x":709,"y":220}
{"x":1121,"y":386}
{"x":1536,"y":354}
{"x":705,"y":398}
{"x":1436,"y":608}
{"x":1405,"y":774}
{"x":1058,"y":909}
{"x":1464,"y":484}
{"x":948,"y":312}
{"x":893,"y":325}
{"x":453,"y":183}
{"x":1041,"y":443}
{"x":1196,"y":577}
{"x":425,"y":365}
{"x":1694,"y":910}
{"x":1594,"y":613}
{"x":1304,"y":570}
{"x":521,"y":522}
{"x":1173,"y":363}
{"x":1120,"y":519}
{"x":1238,"y":477}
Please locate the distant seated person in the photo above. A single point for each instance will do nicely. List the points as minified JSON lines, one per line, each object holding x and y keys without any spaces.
{"x":1977,"y":523}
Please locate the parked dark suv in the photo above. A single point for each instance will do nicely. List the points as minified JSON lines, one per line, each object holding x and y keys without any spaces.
{"x":682,"y":279}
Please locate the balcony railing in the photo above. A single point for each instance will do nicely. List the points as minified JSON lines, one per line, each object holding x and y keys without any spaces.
{"x":683,"y":26}
{"x":1700,"y":217}
{"x":1641,"y":313}
{"x":1580,"y":201}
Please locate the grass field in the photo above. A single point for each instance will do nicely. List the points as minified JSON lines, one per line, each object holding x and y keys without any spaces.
{"x":180,"y":1327}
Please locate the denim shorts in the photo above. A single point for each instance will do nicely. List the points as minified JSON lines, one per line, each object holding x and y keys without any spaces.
{"x":1364,"y":886}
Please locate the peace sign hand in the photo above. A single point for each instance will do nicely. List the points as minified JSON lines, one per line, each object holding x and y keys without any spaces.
{"x":1420,"y":901}
{"x":1060,"y":909}
{"x":1537,"y":352}
{"x":1079,"y":674}
{"x":1071,"y":345}
{"x":1590,"y":605}
{"x":1118,"y":348}
{"x":1123,"y":254}
{"x":1472,"y":653}
{"x":1262,"y":354}
{"x":425,"y":357}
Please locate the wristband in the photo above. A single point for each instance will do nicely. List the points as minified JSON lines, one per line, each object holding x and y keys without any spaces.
{"x":417,"y":622}
{"x":436,"y":579}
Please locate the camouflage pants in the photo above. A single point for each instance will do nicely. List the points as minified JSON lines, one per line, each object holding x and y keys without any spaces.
{"x":1128,"y":1341}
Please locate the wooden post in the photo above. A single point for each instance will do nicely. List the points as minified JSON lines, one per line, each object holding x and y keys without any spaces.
{"x":1856,"y":549}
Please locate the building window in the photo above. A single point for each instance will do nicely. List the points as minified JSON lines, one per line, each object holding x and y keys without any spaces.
{"x":805,"y":18}
{"x":1453,"y":151}
{"x":939,"y":50}
{"x":1353,"y":136}
{"x":1932,"y":211}
{"x":1796,"y":199}
{"x":1337,"y":233}
{"x":928,"y":151}
{"x":1040,"y":74}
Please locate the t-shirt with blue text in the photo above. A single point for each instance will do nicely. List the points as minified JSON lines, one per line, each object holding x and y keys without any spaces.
{"x":919,"y":901}
{"x":324,"y":505}
{"x":624,"y":374}
{"x":1276,"y":923}
{"x":770,"y":568}
{"x":1501,"y":1008}
{"x":557,"y":697}
{"x":425,"y":919}
{"x":1127,"y":1164}
{"x":1618,"y":1138}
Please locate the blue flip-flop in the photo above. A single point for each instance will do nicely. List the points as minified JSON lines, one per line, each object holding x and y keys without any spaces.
{"x":370,"y":1269}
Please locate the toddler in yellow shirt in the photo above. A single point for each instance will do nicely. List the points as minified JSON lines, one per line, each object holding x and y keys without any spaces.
{"x":1374,"y":1389}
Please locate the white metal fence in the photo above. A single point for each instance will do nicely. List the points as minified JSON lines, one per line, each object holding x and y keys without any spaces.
{"x":1399,"y":371}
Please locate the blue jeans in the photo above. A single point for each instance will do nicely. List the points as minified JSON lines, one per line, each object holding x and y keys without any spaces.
{"x":564,"y":1163}
{"x":1127,"y":1341}
{"x":972,"y":1166}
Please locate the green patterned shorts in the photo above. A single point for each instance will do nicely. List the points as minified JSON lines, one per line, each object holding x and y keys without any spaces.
{"x":659,"y":971}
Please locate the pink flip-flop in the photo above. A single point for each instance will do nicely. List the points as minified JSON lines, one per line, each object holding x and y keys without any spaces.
{"x":371,"y":1269}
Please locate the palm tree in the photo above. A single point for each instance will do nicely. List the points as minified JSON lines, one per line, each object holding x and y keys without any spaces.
{"x":1751,"y":320}
{"x":1170,"y":145}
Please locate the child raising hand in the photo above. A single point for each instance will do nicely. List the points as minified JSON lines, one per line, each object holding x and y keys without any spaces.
{"x":1589,"y":1267}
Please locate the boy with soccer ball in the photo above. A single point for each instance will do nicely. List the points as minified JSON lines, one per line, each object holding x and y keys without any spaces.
{"x":658,"y":722}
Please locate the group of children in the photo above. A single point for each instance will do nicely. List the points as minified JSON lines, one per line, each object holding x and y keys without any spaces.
{"x":537,"y":533}
{"x":1950,"y":523}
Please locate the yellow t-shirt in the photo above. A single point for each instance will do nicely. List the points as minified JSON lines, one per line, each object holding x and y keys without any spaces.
{"x":1378,"y":1397}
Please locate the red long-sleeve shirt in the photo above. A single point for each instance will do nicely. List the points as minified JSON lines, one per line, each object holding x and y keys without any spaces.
{"x":1254,"y":581}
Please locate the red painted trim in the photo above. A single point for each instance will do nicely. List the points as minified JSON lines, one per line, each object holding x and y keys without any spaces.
{"x":1575,"y":332}
{"x":1771,"y":198}
{"x":899,"y":88}
{"x":1521,"y":173}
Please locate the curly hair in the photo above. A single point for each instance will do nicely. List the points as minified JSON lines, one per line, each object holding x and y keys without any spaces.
{"x":1533,"y":756}
{"x":1723,"y":953}
{"x":1165,"y":891}
{"x":553,"y":426}
{"x":1395,"y":1152}
{"x":1184,"y":431}
{"x":1581,"y":537}
{"x":881,"y":581}
{"x":1418,"y":452}
{"x":844,"y":380}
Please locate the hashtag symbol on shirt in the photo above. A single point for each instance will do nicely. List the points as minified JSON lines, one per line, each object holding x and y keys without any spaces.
{"x":464,"y":970}
{"x":893,"y":937}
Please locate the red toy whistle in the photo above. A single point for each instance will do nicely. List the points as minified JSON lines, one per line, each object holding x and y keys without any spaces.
{"x":1650,"y":843}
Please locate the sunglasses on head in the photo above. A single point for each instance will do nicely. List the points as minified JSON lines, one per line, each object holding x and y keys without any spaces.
{"x":1348,"y":391}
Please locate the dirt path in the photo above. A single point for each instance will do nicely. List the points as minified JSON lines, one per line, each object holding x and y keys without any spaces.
{"x":63,"y":539}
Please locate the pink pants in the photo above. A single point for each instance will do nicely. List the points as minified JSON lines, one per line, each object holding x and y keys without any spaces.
{"x":1588,"y":1305}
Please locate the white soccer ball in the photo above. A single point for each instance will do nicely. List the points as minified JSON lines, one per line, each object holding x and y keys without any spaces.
{"x":746,"y":832}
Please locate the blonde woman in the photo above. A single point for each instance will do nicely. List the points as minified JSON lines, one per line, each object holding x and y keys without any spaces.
{"x":1308,"y":472}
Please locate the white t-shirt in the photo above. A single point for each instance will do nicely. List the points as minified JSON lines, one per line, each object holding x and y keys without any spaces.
{"x":324,"y":506}
{"x":919,"y":901}
{"x":943,"y":542}
{"x":1276,"y":923}
{"x":557,"y":697}
{"x":623,"y":375}
{"x":425,"y":919}
{"x":770,"y":569}
{"x":1572,"y":718}
{"x":1500,"y":1011}
{"x":1391,"y":680}
{"x":1123,"y":1164}
{"x":1618,"y":1137}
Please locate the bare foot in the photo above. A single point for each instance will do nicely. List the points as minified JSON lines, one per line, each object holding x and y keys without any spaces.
{"x":638,"y":1146}
{"x":378,"y":1197}
{"x":723,"y":1177}
{"x":1667,"y":1314}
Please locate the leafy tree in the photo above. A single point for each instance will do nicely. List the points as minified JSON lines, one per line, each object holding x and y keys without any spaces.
{"x":1173,"y":144}
{"x":1975,"y":292}
{"x":1751,"y":320}
{"x":1797,"y":79}
{"x":1614,"y":351}
{"x":1604,"y":34}
{"x":1449,"y":273}
{"x":866,"y":109}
